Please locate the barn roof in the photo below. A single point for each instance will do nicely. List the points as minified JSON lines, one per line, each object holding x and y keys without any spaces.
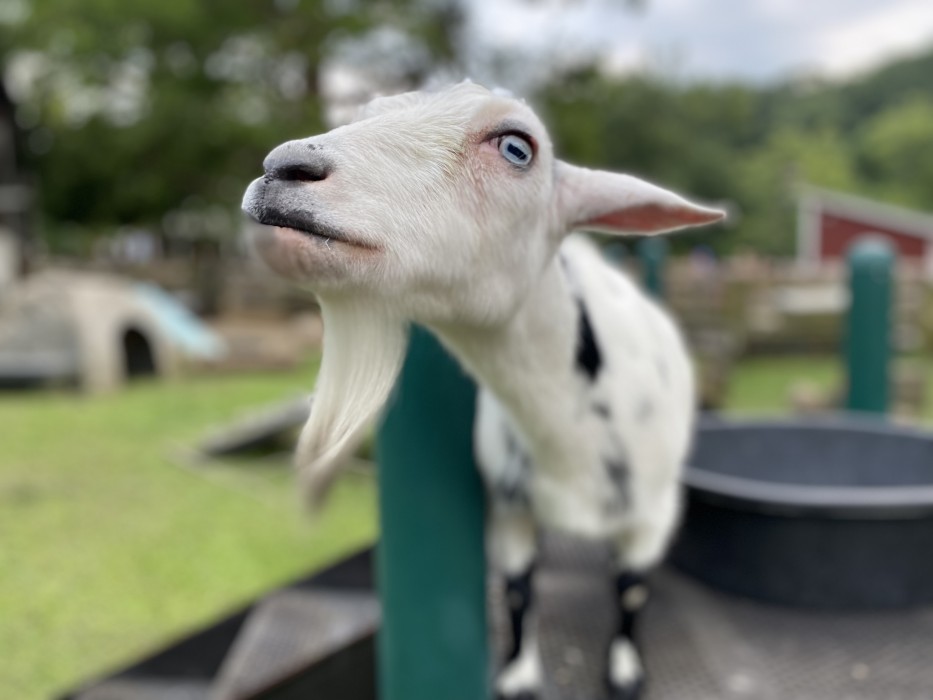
{"x":912,"y":222}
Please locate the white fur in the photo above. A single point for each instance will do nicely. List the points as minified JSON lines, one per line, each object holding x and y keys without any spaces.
{"x":569,"y":442}
{"x":624,"y":664}
{"x":355,"y":381}
{"x":524,"y":673}
{"x":443,"y":231}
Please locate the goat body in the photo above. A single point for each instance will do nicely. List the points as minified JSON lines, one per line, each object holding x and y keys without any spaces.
{"x":600,"y":447}
{"x":450,"y":210}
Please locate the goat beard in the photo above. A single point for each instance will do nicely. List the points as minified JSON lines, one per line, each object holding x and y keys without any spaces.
{"x":364,"y":346}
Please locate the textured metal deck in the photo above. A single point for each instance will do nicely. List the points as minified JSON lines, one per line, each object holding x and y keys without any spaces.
{"x":698,"y":644}
{"x":702,"y":645}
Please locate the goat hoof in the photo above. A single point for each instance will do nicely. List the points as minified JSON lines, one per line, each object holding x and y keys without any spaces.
{"x":630,"y":691}
{"x":520,"y":695}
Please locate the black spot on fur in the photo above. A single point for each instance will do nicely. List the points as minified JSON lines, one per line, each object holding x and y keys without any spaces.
{"x":645,"y":410}
{"x":513,"y":486}
{"x":515,"y":490}
{"x":510,"y":445}
{"x":564,"y":265}
{"x":589,"y":357}
{"x":602,"y":410}
{"x":618,"y":473}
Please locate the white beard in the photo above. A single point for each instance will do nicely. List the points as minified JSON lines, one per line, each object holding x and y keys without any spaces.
{"x":364,"y":345}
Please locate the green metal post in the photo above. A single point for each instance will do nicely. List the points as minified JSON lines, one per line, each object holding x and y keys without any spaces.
{"x":653,"y":255}
{"x":868,"y":332}
{"x":615,"y":252}
{"x":432,"y":574}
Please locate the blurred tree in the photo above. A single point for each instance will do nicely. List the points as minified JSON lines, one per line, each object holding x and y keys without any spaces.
{"x":686,"y":138}
{"x":896,"y":148}
{"x":9,"y":139}
{"x":143,"y":111}
{"x":157,"y":112}
{"x":768,"y":175}
{"x":847,"y":105}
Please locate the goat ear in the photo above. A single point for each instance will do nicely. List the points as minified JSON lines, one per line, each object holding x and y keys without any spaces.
{"x":597,"y":200}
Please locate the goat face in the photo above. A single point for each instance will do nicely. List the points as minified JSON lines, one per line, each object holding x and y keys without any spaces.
{"x":440,"y":203}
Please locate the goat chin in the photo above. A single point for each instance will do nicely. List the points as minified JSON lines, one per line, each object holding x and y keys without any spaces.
{"x":363,"y":351}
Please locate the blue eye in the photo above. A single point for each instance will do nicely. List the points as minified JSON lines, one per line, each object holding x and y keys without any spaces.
{"x":515,"y":149}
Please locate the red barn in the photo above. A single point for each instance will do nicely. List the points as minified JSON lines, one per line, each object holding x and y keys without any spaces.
{"x":828,"y":222}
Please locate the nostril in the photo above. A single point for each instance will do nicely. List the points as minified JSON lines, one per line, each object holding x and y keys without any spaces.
{"x":293,"y":161}
{"x":301,"y":172}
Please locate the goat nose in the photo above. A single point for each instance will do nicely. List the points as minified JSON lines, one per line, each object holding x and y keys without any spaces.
{"x":299,"y":161}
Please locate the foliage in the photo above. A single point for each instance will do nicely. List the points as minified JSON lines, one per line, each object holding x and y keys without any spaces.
{"x":897,"y":150}
{"x":753,"y":146}
{"x":137,"y":110}
{"x":153,"y":112}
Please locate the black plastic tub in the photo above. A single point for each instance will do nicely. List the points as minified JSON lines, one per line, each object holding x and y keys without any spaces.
{"x":831,"y":513}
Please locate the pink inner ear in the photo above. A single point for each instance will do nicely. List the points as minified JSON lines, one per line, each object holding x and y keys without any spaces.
{"x":647,"y":218}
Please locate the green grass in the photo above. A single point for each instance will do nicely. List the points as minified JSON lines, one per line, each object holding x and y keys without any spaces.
{"x":110,"y":545}
{"x":762,"y":385}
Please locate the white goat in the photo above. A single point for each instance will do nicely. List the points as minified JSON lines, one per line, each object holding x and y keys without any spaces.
{"x":449,"y":209}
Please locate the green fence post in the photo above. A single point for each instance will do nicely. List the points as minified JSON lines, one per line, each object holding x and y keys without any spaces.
{"x":615,"y":252}
{"x":868,"y":330}
{"x":653,"y":255}
{"x":432,"y":567}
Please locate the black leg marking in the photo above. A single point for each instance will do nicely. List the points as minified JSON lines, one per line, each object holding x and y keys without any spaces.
{"x":631,"y":596}
{"x":589,"y":357}
{"x":628,"y":692}
{"x":518,"y":598}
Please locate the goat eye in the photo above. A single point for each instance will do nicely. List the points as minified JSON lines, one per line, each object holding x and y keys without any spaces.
{"x":515,"y":149}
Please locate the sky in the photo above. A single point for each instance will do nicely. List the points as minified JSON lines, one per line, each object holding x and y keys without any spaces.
{"x":751,"y":40}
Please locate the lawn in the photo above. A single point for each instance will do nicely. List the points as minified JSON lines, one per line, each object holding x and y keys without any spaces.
{"x":762,"y":385}
{"x":111,"y":544}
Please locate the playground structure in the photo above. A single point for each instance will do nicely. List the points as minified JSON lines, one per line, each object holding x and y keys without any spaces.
{"x":700,"y":644}
{"x":95,"y":330}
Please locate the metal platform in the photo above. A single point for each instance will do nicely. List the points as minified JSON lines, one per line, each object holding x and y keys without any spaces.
{"x":698,"y":644}
{"x":702,"y":645}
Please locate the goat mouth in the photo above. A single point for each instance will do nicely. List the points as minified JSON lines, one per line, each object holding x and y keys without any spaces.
{"x":279,"y":206}
{"x":306,"y":226}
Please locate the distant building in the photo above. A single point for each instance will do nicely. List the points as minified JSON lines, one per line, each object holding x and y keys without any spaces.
{"x":828,"y":222}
